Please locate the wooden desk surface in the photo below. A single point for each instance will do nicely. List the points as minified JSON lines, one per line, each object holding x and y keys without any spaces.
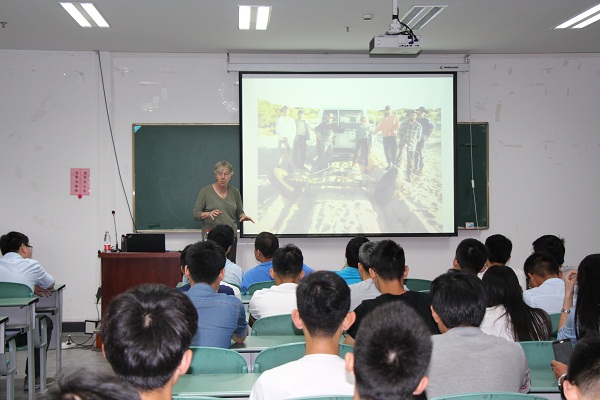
{"x":215,"y":385}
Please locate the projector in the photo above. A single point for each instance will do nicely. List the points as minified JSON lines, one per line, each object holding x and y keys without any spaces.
{"x":395,"y":45}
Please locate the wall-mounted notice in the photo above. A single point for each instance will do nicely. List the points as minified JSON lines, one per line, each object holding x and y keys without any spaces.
{"x":80,"y":182}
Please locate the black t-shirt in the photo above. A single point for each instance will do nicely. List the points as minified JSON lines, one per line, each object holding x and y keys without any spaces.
{"x":420,"y":302}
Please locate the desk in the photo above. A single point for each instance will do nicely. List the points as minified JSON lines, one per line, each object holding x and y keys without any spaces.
{"x":255,"y":344}
{"x":121,"y":271}
{"x":53,"y":305}
{"x":215,"y":385}
{"x":24,"y":323}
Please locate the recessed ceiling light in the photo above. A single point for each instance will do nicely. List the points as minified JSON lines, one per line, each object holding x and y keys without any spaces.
{"x":583,"y":19}
{"x":254,"y":17}
{"x":85,"y":14}
{"x":419,"y":16}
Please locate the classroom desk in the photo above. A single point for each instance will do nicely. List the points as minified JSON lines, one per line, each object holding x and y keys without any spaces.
{"x":53,"y":305}
{"x":253,"y":345}
{"x":3,"y":321}
{"x":214,"y":385}
{"x":27,"y":325}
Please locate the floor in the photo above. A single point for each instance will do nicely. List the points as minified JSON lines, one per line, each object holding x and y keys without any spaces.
{"x":84,"y":355}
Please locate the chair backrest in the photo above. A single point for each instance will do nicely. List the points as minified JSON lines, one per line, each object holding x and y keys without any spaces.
{"x":417,"y":285}
{"x":285,"y":353}
{"x":276,"y":325}
{"x":491,"y":396}
{"x":554,"y":318}
{"x":538,"y":353}
{"x":214,"y":360}
{"x":11,"y":290}
{"x":260,"y":285}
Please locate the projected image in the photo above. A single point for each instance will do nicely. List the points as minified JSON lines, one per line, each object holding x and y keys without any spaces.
{"x":320,"y":158}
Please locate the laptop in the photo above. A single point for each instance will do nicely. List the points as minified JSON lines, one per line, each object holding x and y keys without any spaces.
{"x":143,"y":242}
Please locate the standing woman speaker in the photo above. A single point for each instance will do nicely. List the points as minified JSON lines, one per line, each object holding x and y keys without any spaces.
{"x":220,"y":203}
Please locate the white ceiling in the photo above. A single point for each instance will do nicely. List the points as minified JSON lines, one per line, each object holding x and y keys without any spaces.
{"x":299,"y":26}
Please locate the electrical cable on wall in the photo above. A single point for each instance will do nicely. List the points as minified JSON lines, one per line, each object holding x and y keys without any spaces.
{"x":471,"y":150}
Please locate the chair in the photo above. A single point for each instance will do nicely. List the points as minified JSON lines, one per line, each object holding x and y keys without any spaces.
{"x":260,"y":285}
{"x":279,"y":355}
{"x":215,"y":360}
{"x":491,"y":396}
{"x":554,"y":318}
{"x":417,"y":285}
{"x":539,"y":354}
{"x":275,"y":325}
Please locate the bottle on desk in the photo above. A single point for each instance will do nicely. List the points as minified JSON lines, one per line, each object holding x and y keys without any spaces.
{"x":106,"y":242}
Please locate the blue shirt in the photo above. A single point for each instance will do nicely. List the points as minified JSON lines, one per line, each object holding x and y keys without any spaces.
{"x":219,"y":316}
{"x":350,"y":275}
{"x":260,"y":273}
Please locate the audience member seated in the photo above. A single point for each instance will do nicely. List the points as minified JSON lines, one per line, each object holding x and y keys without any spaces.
{"x":582,"y":319}
{"x":87,"y":385}
{"x":391,"y":354}
{"x":464,"y":359}
{"x":265,"y":245}
{"x":220,"y":317}
{"x":364,"y":290}
{"x":146,"y":334}
{"x":553,"y":245}
{"x":388,"y":271}
{"x":499,"y":249}
{"x":470,"y":256}
{"x":223,"y":235}
{"x":350,"y":271}
{"x":507,"y":315}
{"x":547,"y":288}
{"x":281,"y":298}
{"x":323,"y":313}
{"x":582,"y":381}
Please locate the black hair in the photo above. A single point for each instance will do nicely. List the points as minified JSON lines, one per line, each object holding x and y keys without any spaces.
{"x":87,"y":385}
{"x":471,"y":255}
{"x":287,"y":261}
{"x":352,"y":249}
{"x":388,"y":260}
{"x":551,"y":244}
{"x":499,"y":248}
{"x":267,"y":243}
{"x":364,"y":254}
{"x":323,"y":300}
{"x":183,"y":256}
{"x":391,"y":352}
{"x":205,"y":260}
{"x":146,"y":331}
{"x":12,"y":241}
{"x":526,"y":323}
{"x":222,"y":235}
{"x":458,"y":298}
{"x":584,"y":367}
{"x":541,"y":264}
{"x":587,"y":308}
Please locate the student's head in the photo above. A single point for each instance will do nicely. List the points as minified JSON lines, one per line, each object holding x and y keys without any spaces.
{"x":146,"y":334}
{"x":583,"y":379}
{"x":12,"y":242}
{"x":470,"y":256}
{"x":391,"y":353}
{"x":87,"y":385}
{"x":266,"y":243}
{"x":287,"y":262}
{"x":222,"y":235}
{"x":539,"y":267}
{"x":388,"y":261}
{"x":501,"y":286}
{"x":587,"y":308}
{"x":364,"y":254}
{"x":458,"y":299}
{"x":352,"y":249}
{"x":498,"y":249}
{"x":205,"y":261}
{"x":183,"y":257}
{"x":552,"y":245}
{"x":323,"y":300}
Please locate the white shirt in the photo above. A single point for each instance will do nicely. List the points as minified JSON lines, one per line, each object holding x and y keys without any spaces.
{"x":14,"y":268}
{"x":548,"y":296}
{"x":497,"y":323}
{"x":276,"y":300}
{"x":312,"y":375}
{"x":361,"y":291}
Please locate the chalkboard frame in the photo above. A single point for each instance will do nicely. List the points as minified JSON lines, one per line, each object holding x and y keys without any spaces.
{"x":480,"y":144}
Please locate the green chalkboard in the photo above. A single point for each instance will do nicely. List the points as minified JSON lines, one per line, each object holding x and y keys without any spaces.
{"x":171,"y":164}
{"x":472,"y":164}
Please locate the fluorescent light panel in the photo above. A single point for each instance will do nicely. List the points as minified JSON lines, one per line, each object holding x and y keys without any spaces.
{"x":419,"y":16}
{"x":254,"y":17}
{"x":83,"y":13}
{"x":573,"y":22}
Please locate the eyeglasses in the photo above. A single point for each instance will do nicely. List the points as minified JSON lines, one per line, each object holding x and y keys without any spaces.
{"x":26,"y":245}
{"x":560,"y":384}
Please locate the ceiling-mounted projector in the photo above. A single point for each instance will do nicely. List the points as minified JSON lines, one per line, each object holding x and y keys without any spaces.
{"x":395,"y":45}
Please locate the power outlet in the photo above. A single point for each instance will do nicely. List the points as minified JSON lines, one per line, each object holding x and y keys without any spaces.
{"x":91,"y":326}
{"x":69,"y":344}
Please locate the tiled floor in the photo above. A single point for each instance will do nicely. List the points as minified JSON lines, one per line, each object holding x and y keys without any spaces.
{"x":72,"y":360}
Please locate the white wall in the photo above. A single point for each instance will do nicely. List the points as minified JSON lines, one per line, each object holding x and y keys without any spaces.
{"x":544,"y":139}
